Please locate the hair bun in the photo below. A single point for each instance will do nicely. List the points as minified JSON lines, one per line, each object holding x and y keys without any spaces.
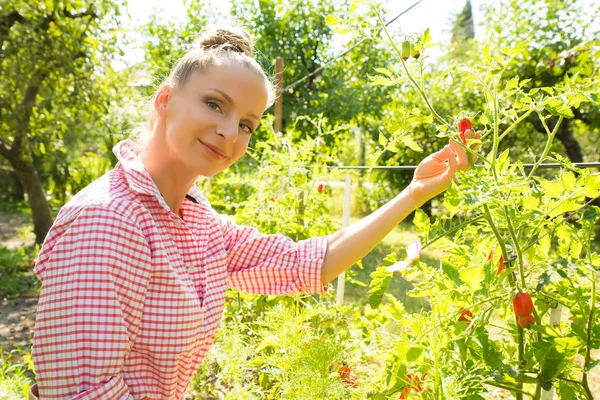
{"x":229,"y":38}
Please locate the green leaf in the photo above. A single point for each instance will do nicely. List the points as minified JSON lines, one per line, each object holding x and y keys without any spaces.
{"x":380,"y":280}
{"x":332,"y":20}
{"x":564,"y":207}
{"x":384,"y":71}
{"x":503,"y":162}
{"x":486,"y":53}
{"x":426,"y":36}
{"x":452,"y":200}
{"x":397,"y":308}
{"x":451,"y":272}
{"x":414,"y":353}
{"x":592,"y":181}
{"x":530,"y":203}
{"x":410,"y":143}
{"x":552,"y":189}
{"x":382,"y":140}
{"x":422,"y":222}
{"x":472,"y":277}
{"x":513,"y":83}
{"x":484,"y":120}
{"x":556,"y":358}
{"x":568,"y":179}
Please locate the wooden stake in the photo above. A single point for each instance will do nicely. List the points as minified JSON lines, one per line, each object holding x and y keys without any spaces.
{"x":279,"y":92}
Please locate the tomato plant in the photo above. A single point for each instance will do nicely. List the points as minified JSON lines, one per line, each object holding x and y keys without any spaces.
{"x":541,"y":227}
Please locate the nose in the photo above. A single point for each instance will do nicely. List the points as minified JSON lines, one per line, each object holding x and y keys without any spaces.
{"x":229,"y":130}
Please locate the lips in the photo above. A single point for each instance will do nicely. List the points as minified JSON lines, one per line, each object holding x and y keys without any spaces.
{"x":213,"y":150}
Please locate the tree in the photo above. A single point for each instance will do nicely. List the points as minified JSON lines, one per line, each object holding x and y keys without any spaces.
{"x":297,"y":31}
{"x":563,"y":45}
{"x":55,"y":84}
{"x":464,"y":28}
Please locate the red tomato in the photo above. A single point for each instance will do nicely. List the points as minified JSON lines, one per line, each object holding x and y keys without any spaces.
{"x":501,"y":266}
{"x":466,"y":316}
{"x":523,"y":305}
{"x":527,"y":321}
{"x":464,"y":124}
{"x":344,"y":371}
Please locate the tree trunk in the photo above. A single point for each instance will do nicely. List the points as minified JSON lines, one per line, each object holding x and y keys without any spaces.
{"x":19,"y":194}
{"x":36,"y":197}
{"x":572,"y":147}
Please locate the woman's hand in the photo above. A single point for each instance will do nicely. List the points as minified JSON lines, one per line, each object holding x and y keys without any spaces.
{"x":435,"y":173}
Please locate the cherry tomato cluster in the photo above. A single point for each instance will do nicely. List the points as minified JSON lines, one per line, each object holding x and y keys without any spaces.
{"x":322,"y":188}
{"x":410,"y":49}
{"x":346,"y":374}
{"x":412,"y":383}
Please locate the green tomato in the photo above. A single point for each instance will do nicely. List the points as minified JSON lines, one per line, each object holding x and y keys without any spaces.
{"x":406,"y":49}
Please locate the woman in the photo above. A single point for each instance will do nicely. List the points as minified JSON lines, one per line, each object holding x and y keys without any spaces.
{"x":135,"y":267}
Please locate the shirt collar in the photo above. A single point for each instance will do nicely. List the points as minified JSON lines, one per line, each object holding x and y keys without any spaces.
{"x":139,"y":179}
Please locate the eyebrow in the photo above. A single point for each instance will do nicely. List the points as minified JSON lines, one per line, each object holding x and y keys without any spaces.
{"x":230,"y":100}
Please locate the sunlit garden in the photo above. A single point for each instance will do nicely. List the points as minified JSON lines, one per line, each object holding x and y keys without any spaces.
{"x":490,"y":290}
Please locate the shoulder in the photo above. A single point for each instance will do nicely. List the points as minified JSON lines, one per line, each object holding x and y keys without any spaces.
{"x":106,"y":210}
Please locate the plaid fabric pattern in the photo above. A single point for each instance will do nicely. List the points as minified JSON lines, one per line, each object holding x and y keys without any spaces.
{"x":133,"y":294}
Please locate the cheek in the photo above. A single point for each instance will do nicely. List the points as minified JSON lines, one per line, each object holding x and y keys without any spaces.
{"x":240,"y":147}
{"x":185,"y":113}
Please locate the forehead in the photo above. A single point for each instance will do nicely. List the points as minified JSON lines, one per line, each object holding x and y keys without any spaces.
{"x":247,"y":89}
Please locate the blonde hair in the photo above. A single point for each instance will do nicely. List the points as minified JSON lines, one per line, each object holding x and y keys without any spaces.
{"x":216,"y":47}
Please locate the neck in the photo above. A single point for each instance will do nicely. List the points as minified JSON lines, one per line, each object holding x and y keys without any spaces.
{"x":172,"y":179}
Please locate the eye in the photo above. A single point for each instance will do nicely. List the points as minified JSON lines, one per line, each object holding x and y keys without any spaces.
{"x":212,"y":105}
{"x":247,"y":128}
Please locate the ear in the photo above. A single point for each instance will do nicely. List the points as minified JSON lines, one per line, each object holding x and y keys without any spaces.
{"x":162,"y":99}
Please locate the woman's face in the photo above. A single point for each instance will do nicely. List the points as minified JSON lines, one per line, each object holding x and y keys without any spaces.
{"x":210,"y":119}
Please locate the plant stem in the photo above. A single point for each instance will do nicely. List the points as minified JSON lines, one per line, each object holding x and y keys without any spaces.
{"x":517,"y":391}
{"x":548,"y":144}
{"x":527,"y":113}
{"x":515,"y":240}
{"x":452,"y":230}
{"x":490,"y":220}
{"x":520,"y":337}
{"x":588,"y":358}
{"x":410,"y":77}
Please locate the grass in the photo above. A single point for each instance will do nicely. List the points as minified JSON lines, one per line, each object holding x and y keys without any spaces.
{"x":395,"y":242}
{"x":16,"y":376}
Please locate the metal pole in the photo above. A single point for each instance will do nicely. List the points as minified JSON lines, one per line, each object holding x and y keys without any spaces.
{"x":341,"y":282}
{"x":279,"y":90}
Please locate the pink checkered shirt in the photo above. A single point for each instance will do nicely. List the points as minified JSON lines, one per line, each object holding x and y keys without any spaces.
{"x":132,"y":293}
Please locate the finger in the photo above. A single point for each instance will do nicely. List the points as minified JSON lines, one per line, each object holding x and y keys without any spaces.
{"x":443,"y":154}
{"x":469,"y":134}
{"x":452,"y":160}
{"x":462,"y":160}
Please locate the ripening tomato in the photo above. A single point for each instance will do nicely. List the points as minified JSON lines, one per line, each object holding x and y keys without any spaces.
{"x":464,"y":124}
{"x":320,"y":188}
{"x":501,"y":266}
{"x":526,"y":321}
{"x":523,"y":305}
{"x":465,"y":316}
{"x":344,"y":371}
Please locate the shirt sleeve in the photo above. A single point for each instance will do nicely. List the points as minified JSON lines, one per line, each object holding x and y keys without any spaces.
{"x":272,"y":264}
{"x":94,"y":282}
